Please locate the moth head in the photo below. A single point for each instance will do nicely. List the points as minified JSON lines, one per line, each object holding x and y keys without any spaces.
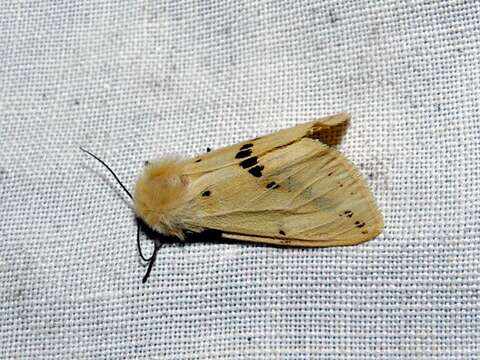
{"x":159,"y":196}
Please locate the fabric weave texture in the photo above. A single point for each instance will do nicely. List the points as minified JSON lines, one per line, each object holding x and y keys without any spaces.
{"x":136,"y":80}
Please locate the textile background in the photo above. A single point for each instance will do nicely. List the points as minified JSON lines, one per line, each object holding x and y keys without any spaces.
{"x":134,"y":80}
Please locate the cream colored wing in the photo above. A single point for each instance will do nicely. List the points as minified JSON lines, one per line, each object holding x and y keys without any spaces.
{"x":289,"y":190}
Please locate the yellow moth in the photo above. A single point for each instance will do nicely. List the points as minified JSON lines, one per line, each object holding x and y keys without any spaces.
{"x":287,"y":188}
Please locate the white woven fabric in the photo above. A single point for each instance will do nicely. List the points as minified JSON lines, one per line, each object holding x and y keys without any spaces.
{"x":132,"y":80}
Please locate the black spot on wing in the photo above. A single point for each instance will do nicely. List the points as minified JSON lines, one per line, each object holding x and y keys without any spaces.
{"x":208,"y":149}
{"x":198,"y":160}
{"x":281,"y":232}
{"x":272,"y":185}
{"x":246,"y":146}
{"x":249,"y":162}
{"x":243,"y":154}
{"x":256,"y":171}
{"x":359,"y":224}
{"x":206,"y":193}
{"x":348,"y":213}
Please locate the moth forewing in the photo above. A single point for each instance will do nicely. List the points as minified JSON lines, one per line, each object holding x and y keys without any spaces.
{"x":234,"y":154}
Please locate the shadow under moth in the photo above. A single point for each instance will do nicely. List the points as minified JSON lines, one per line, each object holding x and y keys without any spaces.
{"x":287,"y":188}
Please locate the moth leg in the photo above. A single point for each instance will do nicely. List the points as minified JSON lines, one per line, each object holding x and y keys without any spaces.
{"x":152,"y":261}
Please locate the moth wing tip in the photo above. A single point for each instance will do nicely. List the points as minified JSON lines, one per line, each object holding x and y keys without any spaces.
{"x":339,"y":118}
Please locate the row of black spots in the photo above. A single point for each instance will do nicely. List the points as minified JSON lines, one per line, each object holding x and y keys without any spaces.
{"x":249,"y":162}
{"x":358,"y":224}
{"x":272,"y":185}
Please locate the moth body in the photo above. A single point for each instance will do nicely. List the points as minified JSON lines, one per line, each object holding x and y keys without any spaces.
{"x":286,"y":188}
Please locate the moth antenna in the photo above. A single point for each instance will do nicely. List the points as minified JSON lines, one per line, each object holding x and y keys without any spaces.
{"x":109,"y":169}
{"x":151,"y":259}
{"x":151,"y":262}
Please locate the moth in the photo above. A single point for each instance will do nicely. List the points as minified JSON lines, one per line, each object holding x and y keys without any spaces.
{"x":287,"y":188}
